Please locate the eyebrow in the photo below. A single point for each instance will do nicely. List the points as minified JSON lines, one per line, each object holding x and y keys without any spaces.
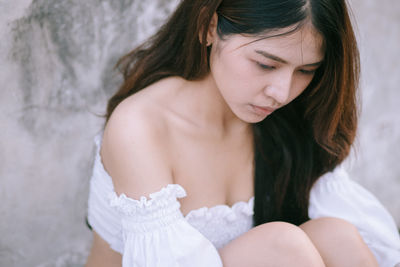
{"x":278,"y":59}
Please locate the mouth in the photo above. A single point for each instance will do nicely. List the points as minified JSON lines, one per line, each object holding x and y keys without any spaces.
{"x":262,"y":110}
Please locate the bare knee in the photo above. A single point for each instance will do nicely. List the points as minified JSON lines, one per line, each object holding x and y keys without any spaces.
{"x":284,"y":236}
{"x":275,"y":243}
{"x":331,"y":224}
{"x":339,"y":242}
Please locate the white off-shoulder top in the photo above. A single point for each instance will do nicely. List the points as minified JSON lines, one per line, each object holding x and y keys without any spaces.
{"x":153,"y":232}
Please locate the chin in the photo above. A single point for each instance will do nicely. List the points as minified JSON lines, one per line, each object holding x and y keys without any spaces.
{"x":256,"y":121}
{"x":252,"y":119}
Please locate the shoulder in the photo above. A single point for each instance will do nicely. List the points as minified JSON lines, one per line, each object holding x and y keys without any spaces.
{"x":135,"y":145}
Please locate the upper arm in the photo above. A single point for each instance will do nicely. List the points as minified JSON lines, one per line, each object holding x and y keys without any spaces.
{"x":133,"y":152}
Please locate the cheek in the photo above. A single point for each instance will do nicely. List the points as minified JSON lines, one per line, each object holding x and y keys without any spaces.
{"x":233,"y":68}
{"x":235,"y":77}
{"x":299,"y":85}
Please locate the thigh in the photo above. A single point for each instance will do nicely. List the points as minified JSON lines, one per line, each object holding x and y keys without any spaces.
{"x":339,"y":243}
{"x":271,"y":244}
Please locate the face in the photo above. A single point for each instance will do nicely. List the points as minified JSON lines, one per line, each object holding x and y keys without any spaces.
{"x":257,"y":75}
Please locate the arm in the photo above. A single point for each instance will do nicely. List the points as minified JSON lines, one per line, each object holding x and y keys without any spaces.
{"x":154,"y":230}
{"x":134,"y":153}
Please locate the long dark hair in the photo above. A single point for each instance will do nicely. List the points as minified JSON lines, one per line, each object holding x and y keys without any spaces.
{"x":296,"y":144}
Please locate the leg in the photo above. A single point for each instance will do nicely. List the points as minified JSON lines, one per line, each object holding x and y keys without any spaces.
{"x":101,"y":255}
{"x":272,"y":244}
{"x":339,"y":243}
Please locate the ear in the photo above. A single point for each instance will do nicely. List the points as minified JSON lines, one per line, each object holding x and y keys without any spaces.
{"x":211,"y":31}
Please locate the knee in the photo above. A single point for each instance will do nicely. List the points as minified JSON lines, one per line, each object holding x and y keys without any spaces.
{"x":283,"y":234}
{"x":334,"y":228}
{"x":276,"y":243}
{"x":339,"y":236}
{"x":289,"y":239}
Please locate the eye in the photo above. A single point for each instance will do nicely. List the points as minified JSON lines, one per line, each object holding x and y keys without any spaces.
{"x":265,"y":67}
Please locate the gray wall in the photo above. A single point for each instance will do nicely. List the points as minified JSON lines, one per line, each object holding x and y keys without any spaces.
{"x":56,"y":61}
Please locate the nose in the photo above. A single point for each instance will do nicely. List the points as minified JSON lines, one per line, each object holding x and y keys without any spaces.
{"x":278,"y":87}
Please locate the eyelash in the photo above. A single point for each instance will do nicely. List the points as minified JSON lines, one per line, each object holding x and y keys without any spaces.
{"x":267,"y":67}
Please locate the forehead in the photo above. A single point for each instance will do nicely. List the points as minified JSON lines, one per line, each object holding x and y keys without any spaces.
{"x":300,"y":47}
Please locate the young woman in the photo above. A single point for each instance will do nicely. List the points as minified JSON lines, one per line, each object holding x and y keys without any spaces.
{"x":223,"y":144}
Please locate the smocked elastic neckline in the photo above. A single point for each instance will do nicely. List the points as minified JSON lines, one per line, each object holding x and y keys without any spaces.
{"x":240,"y":207}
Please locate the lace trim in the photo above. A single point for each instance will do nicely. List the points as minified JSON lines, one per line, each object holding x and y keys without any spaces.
{"x":223,"y":211}
{"x":164,"y":200}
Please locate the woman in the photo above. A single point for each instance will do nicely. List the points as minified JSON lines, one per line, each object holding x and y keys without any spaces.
{"x":246,"y":107}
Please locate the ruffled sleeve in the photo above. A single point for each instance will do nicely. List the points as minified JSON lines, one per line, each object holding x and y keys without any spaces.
{"x":155,"y":232}
{"x":335,"y":195}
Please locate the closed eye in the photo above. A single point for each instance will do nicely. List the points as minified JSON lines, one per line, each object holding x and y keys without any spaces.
{"x":265,"y":67}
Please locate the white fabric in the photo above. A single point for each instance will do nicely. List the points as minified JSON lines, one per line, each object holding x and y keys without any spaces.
{"x":221,"y":224}
{"x":153,"y":232}
{"x":335,"y":195}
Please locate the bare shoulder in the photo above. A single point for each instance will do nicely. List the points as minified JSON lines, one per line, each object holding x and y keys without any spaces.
{"x":135,"y":145}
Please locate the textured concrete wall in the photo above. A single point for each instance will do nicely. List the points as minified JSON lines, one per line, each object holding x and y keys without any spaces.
{"x":56,"y":61}
{"x":56,"y":75}
{"x":375,"y":163}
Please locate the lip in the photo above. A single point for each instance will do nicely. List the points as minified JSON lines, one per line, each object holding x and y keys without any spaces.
{"x":263,"y":110}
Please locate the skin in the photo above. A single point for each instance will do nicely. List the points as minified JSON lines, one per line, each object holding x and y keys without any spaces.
{"x":246,"y":62}
{"x":198,"y":134}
